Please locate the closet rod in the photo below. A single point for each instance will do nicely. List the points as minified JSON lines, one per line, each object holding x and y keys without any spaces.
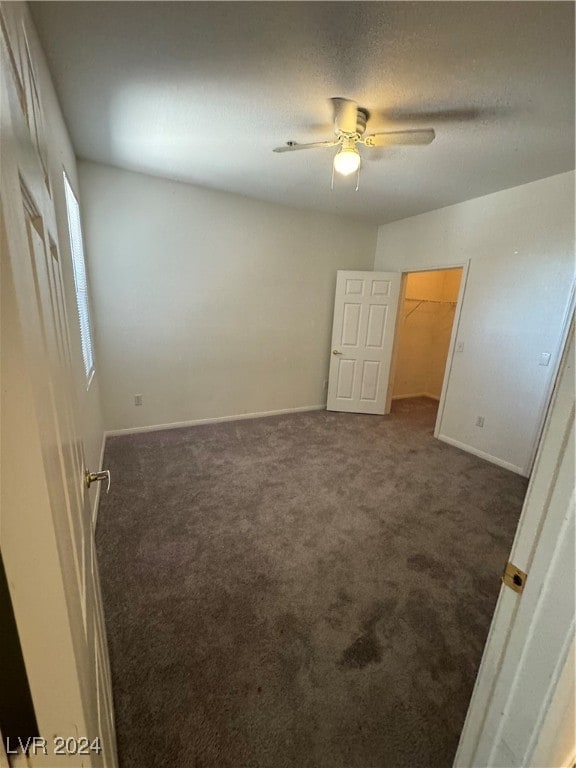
{"x":431,"y":301}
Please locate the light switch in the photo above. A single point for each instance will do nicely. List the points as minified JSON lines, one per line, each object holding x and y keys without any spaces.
{"x":544,"y":358}
{"x":460,"y":346}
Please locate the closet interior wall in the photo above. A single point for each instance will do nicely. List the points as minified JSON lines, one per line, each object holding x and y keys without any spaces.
{"x":425,"y":327}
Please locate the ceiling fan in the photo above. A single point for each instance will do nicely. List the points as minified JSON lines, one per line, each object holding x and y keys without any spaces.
{"x":350,"y":131}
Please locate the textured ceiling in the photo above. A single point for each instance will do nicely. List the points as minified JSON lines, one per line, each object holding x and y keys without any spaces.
{"x":202,"y":92}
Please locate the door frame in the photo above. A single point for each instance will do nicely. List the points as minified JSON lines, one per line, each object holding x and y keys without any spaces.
{"x":464,"y":266}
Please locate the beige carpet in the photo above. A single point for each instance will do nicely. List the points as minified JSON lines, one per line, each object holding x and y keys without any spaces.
{"x":302,"y":591}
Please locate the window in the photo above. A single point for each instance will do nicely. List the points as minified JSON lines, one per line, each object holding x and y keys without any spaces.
{"x":75,"y":231}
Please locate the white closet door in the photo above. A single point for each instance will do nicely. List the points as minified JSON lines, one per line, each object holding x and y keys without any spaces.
{"x":365,"y":309}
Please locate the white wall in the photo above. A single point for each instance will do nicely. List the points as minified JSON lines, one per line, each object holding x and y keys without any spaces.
{"x":520,"y":245}
{"x":424,"y":331}
{"x":206,"y":303}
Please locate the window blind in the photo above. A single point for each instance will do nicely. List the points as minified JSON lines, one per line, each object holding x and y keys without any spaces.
{"x":80,"y":283}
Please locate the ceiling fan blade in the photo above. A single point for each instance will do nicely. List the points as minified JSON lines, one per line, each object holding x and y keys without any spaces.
{"x":393,"y":138}
{"x":345,"y":115}
{"x":292,"y":146}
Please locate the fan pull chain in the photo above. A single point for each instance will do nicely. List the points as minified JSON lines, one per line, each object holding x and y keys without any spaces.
{"x":332,"y":182}
{"x":357,"y":179}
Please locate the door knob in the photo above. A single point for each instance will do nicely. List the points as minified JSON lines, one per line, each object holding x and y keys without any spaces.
{"x":335,"y":352}
{"x":97,"y":477}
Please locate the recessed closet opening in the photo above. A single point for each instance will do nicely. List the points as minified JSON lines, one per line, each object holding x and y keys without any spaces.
{"x":423,"y":334}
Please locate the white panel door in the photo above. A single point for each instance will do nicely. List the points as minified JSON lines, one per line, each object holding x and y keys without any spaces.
{"x":365,"y":309}
{"x":46,"y":531}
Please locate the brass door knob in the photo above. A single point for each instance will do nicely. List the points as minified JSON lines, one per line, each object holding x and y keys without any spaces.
{"x":97,"y":477}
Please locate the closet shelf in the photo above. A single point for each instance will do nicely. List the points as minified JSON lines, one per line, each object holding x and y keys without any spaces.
{"x":426,"y":301}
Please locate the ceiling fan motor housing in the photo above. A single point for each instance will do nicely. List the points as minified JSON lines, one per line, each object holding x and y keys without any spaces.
{"x":362,"y":117}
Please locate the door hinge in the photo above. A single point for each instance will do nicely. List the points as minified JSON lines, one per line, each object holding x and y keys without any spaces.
{"x":514,"y":578}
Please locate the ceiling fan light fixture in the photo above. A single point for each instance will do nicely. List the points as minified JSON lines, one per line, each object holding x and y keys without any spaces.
{"x":347,"y":161}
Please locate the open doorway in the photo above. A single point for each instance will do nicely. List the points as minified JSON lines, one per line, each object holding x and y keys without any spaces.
{"x":423,"y":332}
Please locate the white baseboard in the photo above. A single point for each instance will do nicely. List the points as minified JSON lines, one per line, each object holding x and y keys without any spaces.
{"x":215,"y":420}
{"x":484,"y":455}
{"x":417,"y":394}
{"x":99,"y":485}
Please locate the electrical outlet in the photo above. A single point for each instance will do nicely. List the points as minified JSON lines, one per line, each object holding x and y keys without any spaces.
{"x":137,"y":399}
{"x":460,"y":346}
{"x":480,"y":421}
